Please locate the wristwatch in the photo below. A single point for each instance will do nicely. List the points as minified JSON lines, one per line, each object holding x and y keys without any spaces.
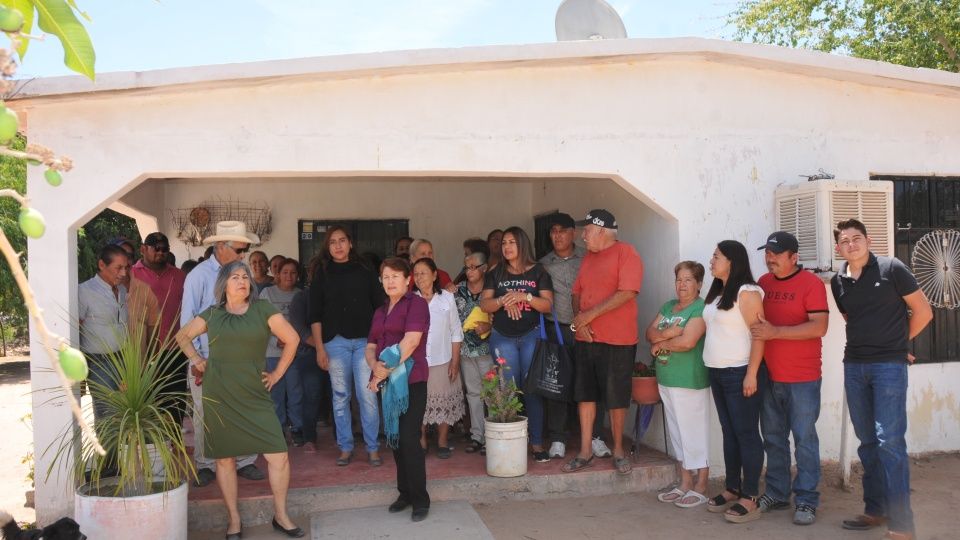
{"x":529,"y":298}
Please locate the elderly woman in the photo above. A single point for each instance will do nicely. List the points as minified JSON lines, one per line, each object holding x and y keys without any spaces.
{"x":402,"y":321}
{"x":517,"y":291}
{"x":444,"y":389}
{"x":343,"y":296}
{"x":421,"y":248}
{"x":259,"y":265}
{"x":475,"y":358}
{"x":734,"y":359}
{"x":236,"y":388}
{"x":676,"y":335}
{"x":288,"y":393}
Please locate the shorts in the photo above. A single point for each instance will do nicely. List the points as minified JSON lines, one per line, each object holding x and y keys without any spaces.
{"x":604,"y":373}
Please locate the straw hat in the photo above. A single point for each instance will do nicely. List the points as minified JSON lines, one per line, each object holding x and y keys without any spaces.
{"x":232,"y":231}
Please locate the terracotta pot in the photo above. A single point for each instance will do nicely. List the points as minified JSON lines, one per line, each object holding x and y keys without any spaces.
{"x":645,"y":390}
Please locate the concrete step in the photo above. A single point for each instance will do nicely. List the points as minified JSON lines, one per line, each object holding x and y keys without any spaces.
{"x":652,"y":470}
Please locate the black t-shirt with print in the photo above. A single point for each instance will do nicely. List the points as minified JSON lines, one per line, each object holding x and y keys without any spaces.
{"x":532,"y":281}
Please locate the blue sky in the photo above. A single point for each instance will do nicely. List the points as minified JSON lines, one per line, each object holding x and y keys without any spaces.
{"x":138,"y":35}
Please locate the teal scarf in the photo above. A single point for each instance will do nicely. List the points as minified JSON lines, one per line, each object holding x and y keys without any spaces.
{"x":396,"y":393}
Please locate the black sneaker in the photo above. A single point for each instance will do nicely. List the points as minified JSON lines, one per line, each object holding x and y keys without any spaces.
{"x":251,"y":472}
{"x":297,"y":437}
{"x":204,"y":477}
{"x":767,"y":503}
{"x":398,"y":505}
{"x":541,"y":456}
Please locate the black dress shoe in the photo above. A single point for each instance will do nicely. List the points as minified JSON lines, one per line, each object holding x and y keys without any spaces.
{"x":237,"y":535}
{"x":204,"y":477}
{"x":419,"y":514}
{"x":295,"y":532}
{"x":251,"y":472}
{"x":398,"y":505}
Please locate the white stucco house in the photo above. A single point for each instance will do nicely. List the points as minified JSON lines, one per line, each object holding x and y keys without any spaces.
{"x":685,"y":140}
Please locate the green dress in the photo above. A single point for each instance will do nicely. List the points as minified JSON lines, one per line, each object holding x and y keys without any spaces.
{"x":238,"y":411}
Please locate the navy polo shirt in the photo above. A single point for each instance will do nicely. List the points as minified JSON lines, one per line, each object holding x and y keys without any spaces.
{"x":877,"y":323}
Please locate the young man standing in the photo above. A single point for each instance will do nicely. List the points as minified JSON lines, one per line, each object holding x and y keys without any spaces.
{"x":884,"y":308}
{"x":795,"y":304}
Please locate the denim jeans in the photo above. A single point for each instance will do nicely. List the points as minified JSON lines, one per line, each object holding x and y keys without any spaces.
{"x":316,"y":384}
{"x":518,"y":352}
{"x":877,"y":399}
{"x":739,"y":423}
{"x":287,"y":396}
{"x":792,"y":408}
{"x":349,"y":372}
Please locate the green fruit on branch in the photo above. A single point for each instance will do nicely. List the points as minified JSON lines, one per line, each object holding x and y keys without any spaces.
{"x":73,"y":364}
{"x":9,"y":124}
{"x":32,"y":223}
{"x":53,"y":177}
{"x":11,"y":20}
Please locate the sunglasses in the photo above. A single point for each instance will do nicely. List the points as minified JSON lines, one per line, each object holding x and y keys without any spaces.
{"x":161,"y":248}
{"x":239,"y":251}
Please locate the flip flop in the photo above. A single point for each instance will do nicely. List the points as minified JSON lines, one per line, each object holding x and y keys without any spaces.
{"x":623,"y":466}
{"x":700,"y":499}
{"x":577,"y":464}
{"x":674,"y":494}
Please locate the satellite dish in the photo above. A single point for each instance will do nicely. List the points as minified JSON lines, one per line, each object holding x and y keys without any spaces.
{"x":936,"y":264}
{"x":579,"y":20}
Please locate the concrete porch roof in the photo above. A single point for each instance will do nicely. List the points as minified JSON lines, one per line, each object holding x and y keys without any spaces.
{"x":498,"y":57}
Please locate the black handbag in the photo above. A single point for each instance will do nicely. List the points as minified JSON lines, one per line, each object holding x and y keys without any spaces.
{"x":551,"y":371}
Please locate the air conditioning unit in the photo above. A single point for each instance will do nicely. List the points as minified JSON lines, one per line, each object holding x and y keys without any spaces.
{"x":811,"y":210}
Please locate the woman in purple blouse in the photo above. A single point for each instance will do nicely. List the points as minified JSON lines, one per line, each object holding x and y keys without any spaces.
{"x":404,"y":319}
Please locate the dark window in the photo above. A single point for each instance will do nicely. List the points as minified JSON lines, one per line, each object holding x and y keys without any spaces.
{"x":541,"y":234}
{"x":370,"y":236}
{"x":921,"y":205}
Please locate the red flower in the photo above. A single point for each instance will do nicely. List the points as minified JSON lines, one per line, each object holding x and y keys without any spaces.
{"x":501,"y":360}
{"x":490,"y":375}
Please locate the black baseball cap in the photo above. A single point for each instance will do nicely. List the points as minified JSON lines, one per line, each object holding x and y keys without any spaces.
{"x":563,"y":220}
{"x":781,"y":241}
{"x":600,"y":218}
{"x":155,"y":239}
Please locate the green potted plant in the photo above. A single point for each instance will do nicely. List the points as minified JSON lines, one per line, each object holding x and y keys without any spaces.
{"x":138,"y":489}
{"x":505,"y":430}
{"x":645,"y":390}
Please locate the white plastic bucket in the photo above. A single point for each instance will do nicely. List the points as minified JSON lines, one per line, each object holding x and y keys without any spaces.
{"x":161,"y":516}
{"x":506,"y":448}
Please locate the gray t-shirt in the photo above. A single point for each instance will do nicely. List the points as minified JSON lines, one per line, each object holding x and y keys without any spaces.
{"x":280,"y":300}
{"x":564,"y":272}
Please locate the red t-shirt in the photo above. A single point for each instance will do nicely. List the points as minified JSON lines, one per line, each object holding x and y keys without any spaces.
{"x":617,"y":268}
{"x":788,"y":302}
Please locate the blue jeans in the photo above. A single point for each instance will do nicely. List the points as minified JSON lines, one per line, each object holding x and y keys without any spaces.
{"x":792,"y":408}
{"x":739,"y":423}
{"x":315,"y":382}
{"x":877,"y":399}
{"x":287,"y":396}
{"x":518,"y":352}
{"x":349,"y":370}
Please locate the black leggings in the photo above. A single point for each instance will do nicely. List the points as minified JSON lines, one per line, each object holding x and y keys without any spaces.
{"x":409,"y":455}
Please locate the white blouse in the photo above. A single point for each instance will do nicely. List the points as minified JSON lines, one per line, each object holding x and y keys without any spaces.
{"x":445,"y":329}
{"x":728,"y":337}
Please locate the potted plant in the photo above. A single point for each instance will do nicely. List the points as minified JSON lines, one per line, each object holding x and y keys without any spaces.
{"x":505,"y":430}
{"x":645,"y":390}
{"x":138,"y":489}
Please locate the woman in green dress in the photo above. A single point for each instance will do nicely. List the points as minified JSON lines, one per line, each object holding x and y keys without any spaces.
{"x":240,"y":417}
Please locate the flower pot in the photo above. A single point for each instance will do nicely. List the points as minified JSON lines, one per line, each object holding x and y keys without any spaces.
{"x":160,"y":515}
{"x":506,"y":448}
{"x":645,"y":390}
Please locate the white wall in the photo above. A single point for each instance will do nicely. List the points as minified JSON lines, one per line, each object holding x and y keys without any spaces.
{"x":702,"y":143}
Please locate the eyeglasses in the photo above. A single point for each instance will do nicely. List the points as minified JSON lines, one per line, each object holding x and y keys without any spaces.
{"x":475,"y":267}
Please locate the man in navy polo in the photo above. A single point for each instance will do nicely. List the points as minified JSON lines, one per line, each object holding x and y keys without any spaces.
{"x":884,"y":308}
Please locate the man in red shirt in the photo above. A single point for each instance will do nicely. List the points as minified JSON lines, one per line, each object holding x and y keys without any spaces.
{"x":605,"y":323}
{"x":795,"y":304}
{"x":166,"y":282}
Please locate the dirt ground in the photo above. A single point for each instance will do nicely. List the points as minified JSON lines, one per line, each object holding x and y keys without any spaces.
{"x":628,"y":516}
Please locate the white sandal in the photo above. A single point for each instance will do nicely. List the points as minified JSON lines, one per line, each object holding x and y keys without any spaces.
{"x":701,"y":498}
{"x":674,"y":494}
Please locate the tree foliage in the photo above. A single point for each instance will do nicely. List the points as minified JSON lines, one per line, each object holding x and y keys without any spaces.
{"x":98,"y":232}
{"x":916,"y":33}
{"x":13,"y":174}
{"x":58,"y":17}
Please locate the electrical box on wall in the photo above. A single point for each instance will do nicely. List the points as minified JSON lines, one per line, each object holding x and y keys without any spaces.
{"x":811,"y":210}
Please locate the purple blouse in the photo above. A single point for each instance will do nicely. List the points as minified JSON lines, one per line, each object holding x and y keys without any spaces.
{"x":410,"y":314}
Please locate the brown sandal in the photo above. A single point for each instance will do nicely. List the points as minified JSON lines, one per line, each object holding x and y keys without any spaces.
{"x":739,"y":513}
